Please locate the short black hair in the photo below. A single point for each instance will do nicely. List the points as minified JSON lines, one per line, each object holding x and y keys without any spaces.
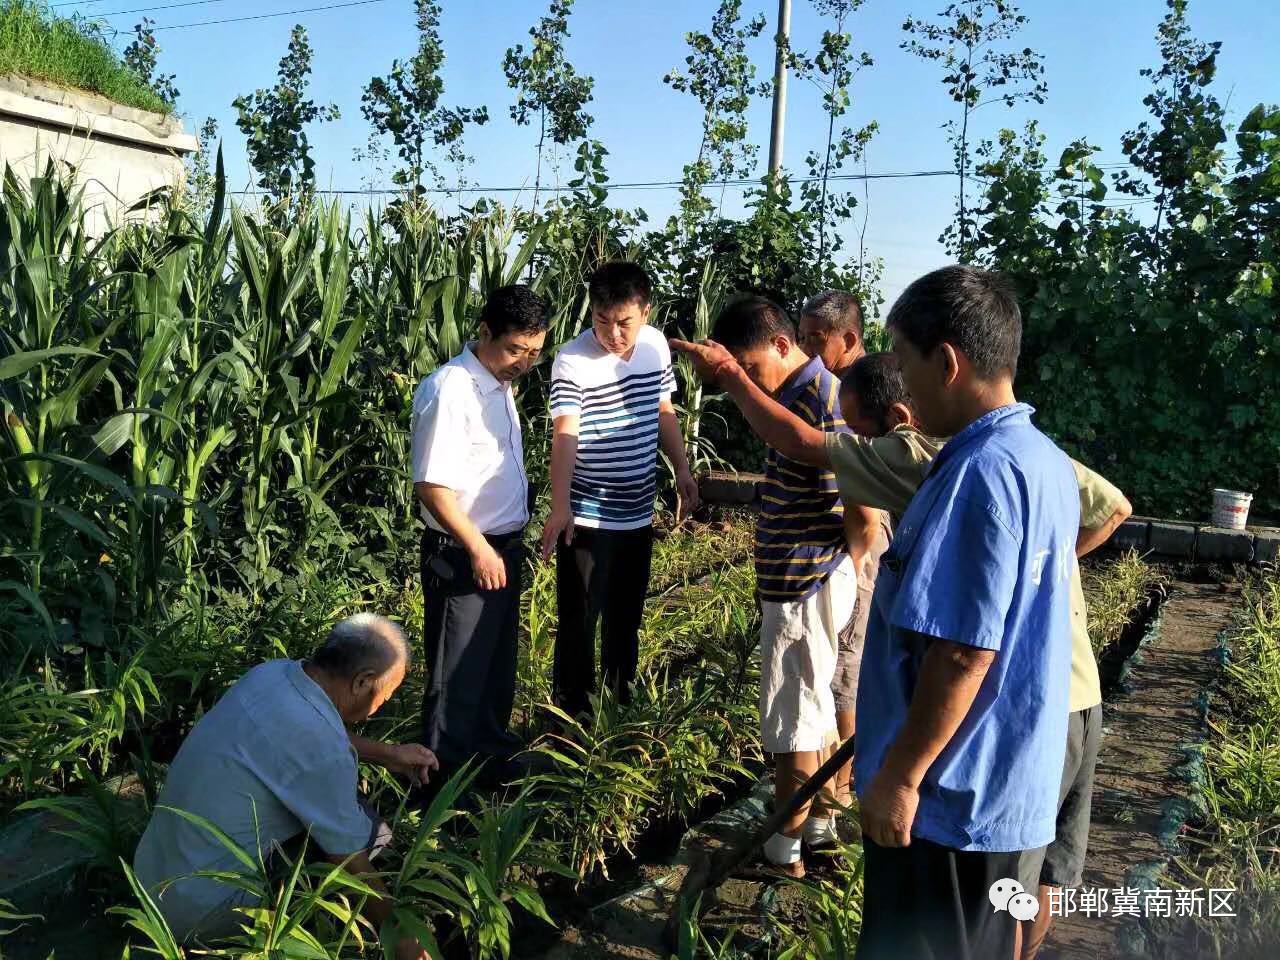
{"x":617,"y":282}
{"x":515,"y":308}
{"x":875,"y":379}
{"x":838,"y":309}
{"x":974,"y":310}
{"x":751,"y":322}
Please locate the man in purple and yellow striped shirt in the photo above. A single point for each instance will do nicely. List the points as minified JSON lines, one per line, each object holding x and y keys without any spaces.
{"x":806,"y":578}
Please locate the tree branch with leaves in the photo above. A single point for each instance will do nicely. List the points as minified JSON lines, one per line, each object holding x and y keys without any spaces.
{"x":549,"y":91}
{"x":275,"y":122}
{"x":969,"y":39}
{"x":832,"y":70}
{"x":719,"y":74}
{"x":142,"y":56}
{"x":405,"y":105}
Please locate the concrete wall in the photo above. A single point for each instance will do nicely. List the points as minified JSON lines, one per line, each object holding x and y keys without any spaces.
{"x":1160,"y":539}
{"x":118,"y":154}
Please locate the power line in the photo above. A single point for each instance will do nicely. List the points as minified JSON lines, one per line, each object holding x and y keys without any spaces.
{"x":640,"y":185}
{"x":268,"y":16}
{"x":647,"y":185}
{"x":166,"y":6}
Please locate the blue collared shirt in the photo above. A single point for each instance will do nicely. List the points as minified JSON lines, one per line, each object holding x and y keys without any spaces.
{"x":271,"y":760}
{"x":982,"y":557}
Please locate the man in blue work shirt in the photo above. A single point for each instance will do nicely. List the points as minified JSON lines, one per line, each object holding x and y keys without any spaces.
{"x":962,"y":699}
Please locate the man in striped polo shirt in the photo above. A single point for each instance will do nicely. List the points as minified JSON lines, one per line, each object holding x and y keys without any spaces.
{"x":806,"y":578}
{"x":611,"y":409}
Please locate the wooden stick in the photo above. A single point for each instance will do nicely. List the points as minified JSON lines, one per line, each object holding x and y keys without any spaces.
{"x":708,"y":872}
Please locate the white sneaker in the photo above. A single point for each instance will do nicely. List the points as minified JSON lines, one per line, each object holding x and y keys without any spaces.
{"x":821,"y":832}
{"x":782,"y":850}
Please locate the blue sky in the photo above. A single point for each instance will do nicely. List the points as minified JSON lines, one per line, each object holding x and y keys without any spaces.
{"x":1093,"y":51}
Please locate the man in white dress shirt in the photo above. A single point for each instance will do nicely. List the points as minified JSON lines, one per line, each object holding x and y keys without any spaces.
{"x":468,"y":472}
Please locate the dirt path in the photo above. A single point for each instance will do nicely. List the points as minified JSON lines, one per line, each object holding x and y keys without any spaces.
{"x":1139,"y":797}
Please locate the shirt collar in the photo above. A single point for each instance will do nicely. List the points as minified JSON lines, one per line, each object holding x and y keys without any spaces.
{"x":485,"y":380}
{"x":984,"y":424}
{"x":314,"y":694}
{"x":801,"y":379}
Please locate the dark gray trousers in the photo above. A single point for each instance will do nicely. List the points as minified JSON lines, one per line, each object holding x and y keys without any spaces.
{"x":472,"y":641}
{"x":601,"y":581}
{"x":929,"y":902}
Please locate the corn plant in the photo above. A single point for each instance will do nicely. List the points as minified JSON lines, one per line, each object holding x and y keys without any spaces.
{"x":694,"y":402}
{"x":53,"y":354}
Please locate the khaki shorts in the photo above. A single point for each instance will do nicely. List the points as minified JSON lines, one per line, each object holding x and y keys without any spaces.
{"x":798,"y":645}
{"x":854,"y":635}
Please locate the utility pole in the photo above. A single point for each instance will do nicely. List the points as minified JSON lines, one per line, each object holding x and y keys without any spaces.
{"x":783,"y":42}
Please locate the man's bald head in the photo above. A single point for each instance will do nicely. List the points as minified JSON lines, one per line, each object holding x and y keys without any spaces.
{"x":362,"y":644}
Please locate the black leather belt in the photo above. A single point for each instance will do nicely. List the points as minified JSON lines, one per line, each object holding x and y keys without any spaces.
{"x":499,"y":541}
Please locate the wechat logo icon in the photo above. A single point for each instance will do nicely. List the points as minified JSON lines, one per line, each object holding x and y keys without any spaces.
{"x":1009,"y":895}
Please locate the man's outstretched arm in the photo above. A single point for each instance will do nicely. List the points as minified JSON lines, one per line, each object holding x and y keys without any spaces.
{"x":773,"y":423}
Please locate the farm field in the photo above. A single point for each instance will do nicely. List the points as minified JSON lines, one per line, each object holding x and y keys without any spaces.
{"x":609,"y":818}
{"x":115,"y":659}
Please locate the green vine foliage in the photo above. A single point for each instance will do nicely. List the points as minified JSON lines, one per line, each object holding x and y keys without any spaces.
{"x":1150,"y":343}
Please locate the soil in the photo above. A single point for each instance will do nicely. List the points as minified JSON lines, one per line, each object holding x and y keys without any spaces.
{"x":1149,"y":718}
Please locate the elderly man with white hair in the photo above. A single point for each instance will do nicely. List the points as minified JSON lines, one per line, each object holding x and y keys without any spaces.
{"x":272,"y":761}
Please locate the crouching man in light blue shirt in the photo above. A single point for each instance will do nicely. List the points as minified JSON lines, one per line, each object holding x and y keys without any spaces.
{"x":274,"y":761}
{"x":962,"y":700}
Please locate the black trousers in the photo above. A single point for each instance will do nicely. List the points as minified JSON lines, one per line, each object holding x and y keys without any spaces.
{"x":472,"y":641}
{"x":601,"y":580}
{"x":929,"y":902}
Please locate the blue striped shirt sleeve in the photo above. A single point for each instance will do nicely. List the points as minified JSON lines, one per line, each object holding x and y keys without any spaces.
{"x":566,"y":396}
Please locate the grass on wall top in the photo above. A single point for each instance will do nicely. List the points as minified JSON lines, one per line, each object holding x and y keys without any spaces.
{"x":36,"y":43}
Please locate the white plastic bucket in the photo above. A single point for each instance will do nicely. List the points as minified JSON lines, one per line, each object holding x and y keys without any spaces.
{"x":1231,"y":508}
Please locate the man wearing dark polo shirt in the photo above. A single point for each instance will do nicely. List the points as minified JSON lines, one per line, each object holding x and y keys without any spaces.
{"x":806,"y":578}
